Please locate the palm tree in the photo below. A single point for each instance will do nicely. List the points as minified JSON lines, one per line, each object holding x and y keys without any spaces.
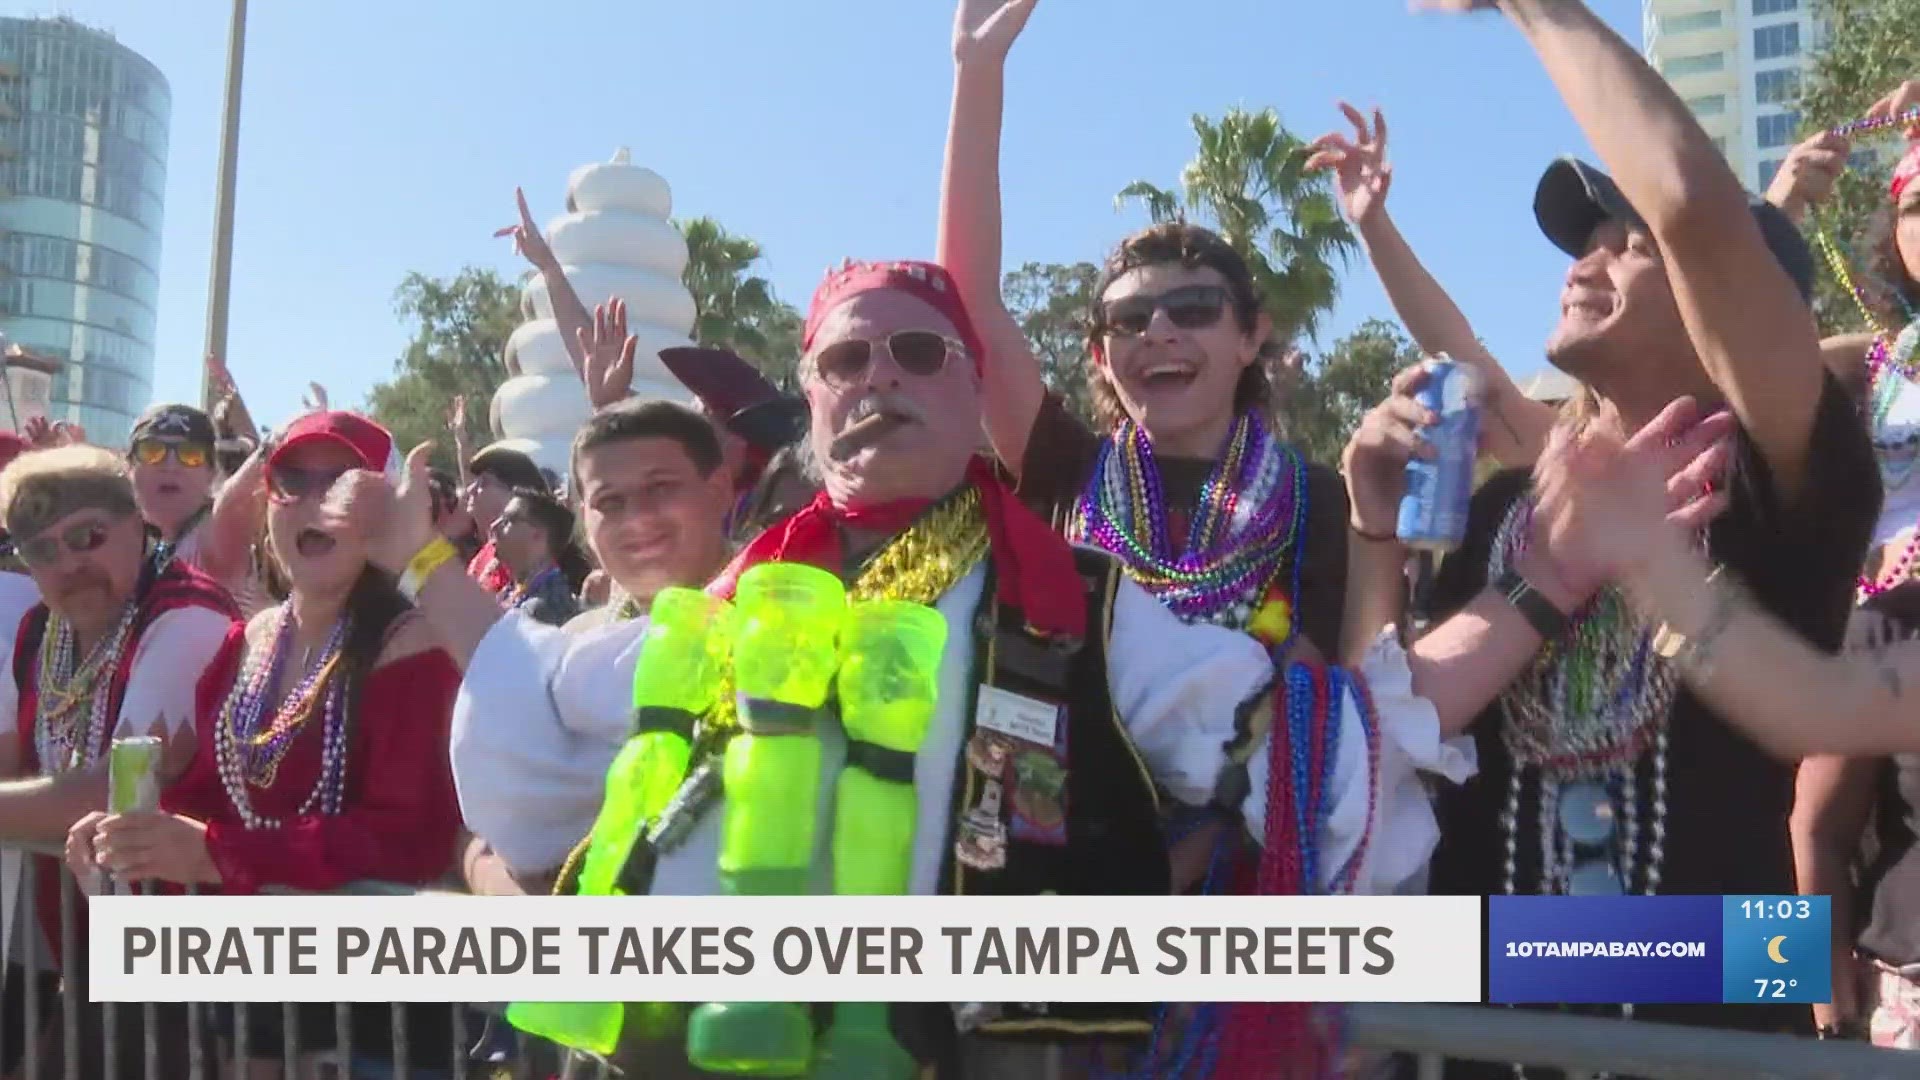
{"x":1249,"y":183}
{"x":735,"y":308}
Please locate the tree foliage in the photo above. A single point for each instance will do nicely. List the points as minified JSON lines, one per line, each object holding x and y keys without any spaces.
{"x":1323,"y":399}
{"x":1248,"y":182}
{"x":1870,"y":50}
{"x":736,"y":308}
{"x":1050,"y":301}
{"x":460,"y":330}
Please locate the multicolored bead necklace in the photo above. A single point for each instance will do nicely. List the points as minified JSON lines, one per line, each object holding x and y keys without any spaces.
{"x":1246,"y":527}
{"x":521,"y":594}
{"x":1588,"y":710}
{"x":71,"y":715}
{"x":249,"y":744}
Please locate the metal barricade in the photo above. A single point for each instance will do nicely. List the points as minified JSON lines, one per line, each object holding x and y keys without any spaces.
{"x":1428,"y":1035}
{"x":52,"y":1032}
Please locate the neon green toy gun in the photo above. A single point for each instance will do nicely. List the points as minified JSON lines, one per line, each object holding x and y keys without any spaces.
{"x":889,"y":686}
{"x":676,"y":679}
{"x":784,"y":657}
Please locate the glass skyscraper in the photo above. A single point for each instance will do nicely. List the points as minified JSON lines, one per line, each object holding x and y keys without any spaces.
{"x":83,"y":167}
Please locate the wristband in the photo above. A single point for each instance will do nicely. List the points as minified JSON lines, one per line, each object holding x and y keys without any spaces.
{"x":436,"y":554}
{"x":1547,"y":620}
{"x":1377,"y":538}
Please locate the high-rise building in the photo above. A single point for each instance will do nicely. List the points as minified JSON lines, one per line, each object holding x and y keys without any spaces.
{"x":83,"y":167}
{"x":1738,"y":64}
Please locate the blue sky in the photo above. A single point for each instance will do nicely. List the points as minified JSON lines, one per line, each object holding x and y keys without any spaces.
{"x":380,"y":138}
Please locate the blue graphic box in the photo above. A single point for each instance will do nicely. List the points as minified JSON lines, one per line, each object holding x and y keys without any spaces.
{"x":1777,"y":948}
{"x":1537,"y":950}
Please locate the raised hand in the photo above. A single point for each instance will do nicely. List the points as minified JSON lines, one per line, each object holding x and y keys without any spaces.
{"x":457,"y":414}
{"x":69,"y":434}
{"x":1901,"y":99}
{"x":527,"y":239}
{"x":394,"y":518}
{"x":608,"y":349}
{"x":1605,"y":507}
{"x":1808,"y":174}
{"x":984,"y":30}
{"x":39,"y":433}
{"x":1361,"y":172}
{"x":315,"y":400}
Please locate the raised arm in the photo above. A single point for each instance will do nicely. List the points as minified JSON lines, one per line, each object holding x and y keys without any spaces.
{"x":1362,"y":176}
{"x":969,"y":232}
{"x":239,"y":511}
{"x":1749,"y":325}
{"x":569,"y":314}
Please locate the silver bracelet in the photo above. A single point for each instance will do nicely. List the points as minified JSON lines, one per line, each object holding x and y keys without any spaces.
{"x":1695,"y":654}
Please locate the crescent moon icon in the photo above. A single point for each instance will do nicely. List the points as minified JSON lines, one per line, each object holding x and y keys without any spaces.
{"x":1773,"y":949}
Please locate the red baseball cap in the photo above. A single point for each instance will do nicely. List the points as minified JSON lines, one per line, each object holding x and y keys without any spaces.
{"x":370,"y":442}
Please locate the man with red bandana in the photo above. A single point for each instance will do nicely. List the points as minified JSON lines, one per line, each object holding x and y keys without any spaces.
{"x":892,"y":382}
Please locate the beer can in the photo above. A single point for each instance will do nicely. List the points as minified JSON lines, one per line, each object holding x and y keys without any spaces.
{"x":133,"y":774}
{"x":1433,"y":512}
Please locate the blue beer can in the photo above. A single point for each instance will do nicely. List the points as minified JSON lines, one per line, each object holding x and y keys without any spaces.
{"x":1433,"y":512}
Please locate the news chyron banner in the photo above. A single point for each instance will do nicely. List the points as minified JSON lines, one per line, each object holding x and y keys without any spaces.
{"x":451,"y":948}
{"x":1659,"y":950}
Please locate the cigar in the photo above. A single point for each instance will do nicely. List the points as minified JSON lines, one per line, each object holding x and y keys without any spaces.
{"x":865,"y":433}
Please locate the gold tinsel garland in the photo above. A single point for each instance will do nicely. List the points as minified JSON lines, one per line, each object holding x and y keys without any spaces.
{"x":919,"y":566}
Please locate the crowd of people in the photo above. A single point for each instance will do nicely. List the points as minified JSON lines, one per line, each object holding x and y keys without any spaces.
{"x":1669,"y":656}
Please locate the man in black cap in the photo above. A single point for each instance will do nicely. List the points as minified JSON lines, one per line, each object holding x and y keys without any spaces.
{"x":497,"y":471}
{"x":759,"y":428}
{"x":1598,"y":772}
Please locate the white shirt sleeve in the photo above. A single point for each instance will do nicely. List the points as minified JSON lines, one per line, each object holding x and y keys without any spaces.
{"x":168,"y":661}
{"x":540,"y":716}
{"x":1179,"y":688}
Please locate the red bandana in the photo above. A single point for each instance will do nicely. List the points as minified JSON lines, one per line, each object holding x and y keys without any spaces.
{"x":925,"y":281}
{"x":1034,"y":565}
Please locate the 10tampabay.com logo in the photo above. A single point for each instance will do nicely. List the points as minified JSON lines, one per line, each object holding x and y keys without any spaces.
{"x":1656,"y":950}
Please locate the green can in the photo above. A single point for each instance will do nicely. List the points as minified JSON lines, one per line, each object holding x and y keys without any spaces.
{"x":133,"y":774}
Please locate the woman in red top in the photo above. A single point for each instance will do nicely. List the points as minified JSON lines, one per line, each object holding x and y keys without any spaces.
{"x":322,"y":755}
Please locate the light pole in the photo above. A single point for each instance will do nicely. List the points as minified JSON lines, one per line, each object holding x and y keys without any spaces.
{"x":222,"y":274}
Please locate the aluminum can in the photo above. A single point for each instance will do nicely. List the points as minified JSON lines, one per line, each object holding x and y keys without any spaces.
{"x":1433,"y":512}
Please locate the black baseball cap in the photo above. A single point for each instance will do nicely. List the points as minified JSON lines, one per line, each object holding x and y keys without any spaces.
{"x":1573,"y":198}
{"x":173,"y":421}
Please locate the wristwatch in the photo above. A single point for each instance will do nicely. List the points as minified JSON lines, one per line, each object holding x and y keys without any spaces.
{"x":1546,"y":619}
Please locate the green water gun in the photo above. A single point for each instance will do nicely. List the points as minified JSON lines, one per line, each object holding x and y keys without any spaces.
{"x":676,"y":679}
{"x":889,"y":686}
{"x":785,"y":653}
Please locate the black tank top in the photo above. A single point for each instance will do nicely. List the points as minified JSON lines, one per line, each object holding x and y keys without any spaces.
{"x":1889,"y":878}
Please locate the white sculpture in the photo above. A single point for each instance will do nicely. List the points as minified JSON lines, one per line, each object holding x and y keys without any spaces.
{"x":616,"y":240}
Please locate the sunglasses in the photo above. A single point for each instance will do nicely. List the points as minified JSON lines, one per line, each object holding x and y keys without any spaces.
{"x":1190,"y":307}
{"x":154,"y":451}
{"x":80,"y":538}
{"x":290,"y":484}
{"x":917,"y":352}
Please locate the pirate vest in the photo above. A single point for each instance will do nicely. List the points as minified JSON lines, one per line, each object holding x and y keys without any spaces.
{"x":162,"y":588}
{"x":1083,"y":821}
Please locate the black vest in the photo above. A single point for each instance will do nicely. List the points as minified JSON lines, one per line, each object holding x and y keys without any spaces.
{"x":1114,"y":844}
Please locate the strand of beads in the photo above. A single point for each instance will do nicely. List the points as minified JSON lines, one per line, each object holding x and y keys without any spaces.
{"x":1854,"y":127}
{"x":249,"y":745}
{"x":1247,"y":523}
{"x":1896,"y":573}
{"x":72,"y":714}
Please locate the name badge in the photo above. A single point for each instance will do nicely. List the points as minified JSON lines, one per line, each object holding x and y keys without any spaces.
{"x":1018,"y":716}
